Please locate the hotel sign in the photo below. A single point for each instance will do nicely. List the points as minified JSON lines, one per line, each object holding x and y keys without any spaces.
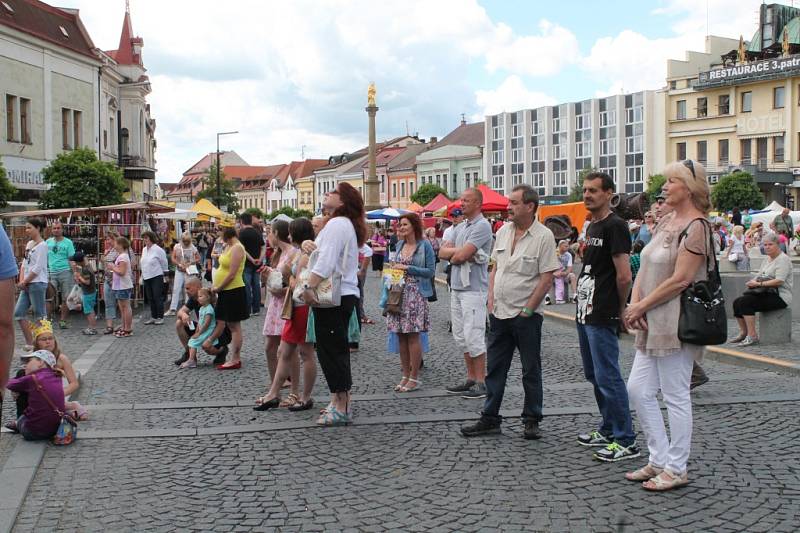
{"x":782,"y":67}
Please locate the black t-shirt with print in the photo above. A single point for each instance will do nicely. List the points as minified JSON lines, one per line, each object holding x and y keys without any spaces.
{"x":252,"y":241}
{"x":598,"y":300}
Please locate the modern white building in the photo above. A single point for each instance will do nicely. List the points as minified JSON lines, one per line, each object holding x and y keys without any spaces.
{"x":59,"y":92}
{"x":548,"y":147}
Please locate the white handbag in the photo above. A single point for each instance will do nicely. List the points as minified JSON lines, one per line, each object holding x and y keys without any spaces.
{"x":329,"y":291}
{"x":275,"y":280}
{"x":733,"y":257}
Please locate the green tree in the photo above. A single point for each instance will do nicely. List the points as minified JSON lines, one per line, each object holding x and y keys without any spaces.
{"x":737,"y":189}
{"x":654,"y":185}
{"x":256,"y":212}
{"x":303,"y":213}
{"x":226,"y":200}
{"x":285,"y":210}
{"x":78,"y":179}
{"x":576,"y":194}
{"x":426,"y":193}
{"x":7,"y":191}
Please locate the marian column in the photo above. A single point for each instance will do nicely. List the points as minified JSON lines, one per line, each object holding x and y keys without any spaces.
{"x":372,"y":184}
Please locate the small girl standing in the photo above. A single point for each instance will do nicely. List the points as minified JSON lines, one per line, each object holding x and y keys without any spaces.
{"x":206,"y":323}
{"x":41,"y":384}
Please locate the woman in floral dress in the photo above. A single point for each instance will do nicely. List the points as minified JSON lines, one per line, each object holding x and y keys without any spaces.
{"x":416,"y":258}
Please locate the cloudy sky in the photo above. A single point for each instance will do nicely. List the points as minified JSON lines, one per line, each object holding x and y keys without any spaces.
{"x":291,"y":76}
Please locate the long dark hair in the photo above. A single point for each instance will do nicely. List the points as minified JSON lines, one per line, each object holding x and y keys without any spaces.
{"x":353,"y":208}
{"x":301,"y":230}
{"x":281,"y":230}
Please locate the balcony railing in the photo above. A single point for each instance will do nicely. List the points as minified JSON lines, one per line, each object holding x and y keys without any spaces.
{"x":134,"y":161}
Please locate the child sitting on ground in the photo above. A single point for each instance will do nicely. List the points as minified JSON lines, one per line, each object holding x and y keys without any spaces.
{"x":206,"y":322}
{"x":84,"y":276}
{"x":44,"y":339}
{"x":40,"y":420}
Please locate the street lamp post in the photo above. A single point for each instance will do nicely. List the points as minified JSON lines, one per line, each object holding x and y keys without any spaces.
{"x":219,"y":189}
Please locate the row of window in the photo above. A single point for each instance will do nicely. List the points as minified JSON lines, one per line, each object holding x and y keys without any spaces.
{"x":746,"y":151}
{"x":18,"y":123}
{"x":723,"y":103}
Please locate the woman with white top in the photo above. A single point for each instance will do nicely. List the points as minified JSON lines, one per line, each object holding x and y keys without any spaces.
{"x":186,"y":258}
{"x":737,"y":244}
{"x":153,"y":265}
{"x":33,"y":279}
{"x":337,"y":251}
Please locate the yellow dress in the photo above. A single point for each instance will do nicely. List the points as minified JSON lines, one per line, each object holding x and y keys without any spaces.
{"x":224,"y":267}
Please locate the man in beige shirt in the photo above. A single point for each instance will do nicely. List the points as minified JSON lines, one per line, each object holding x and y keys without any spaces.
{"x":525,"y":260}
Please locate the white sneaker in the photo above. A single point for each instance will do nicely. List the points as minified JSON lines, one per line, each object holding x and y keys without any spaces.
{"x":171,"y":312}
{"x":149,"y":321}
{"x":158,"y":321}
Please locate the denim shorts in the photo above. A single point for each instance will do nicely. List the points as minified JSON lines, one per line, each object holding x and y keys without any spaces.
{"x":33,"y":295}
{"x":123,"y":294}
{"x":89,"y":301}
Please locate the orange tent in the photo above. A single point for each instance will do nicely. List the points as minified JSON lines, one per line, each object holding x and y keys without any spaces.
{"x":415,"y":207}
{"x":576,"y":212}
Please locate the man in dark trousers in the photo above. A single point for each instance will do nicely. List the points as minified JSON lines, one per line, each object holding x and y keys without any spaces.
{"x":253,"y":242}
{"x":603,"y":288}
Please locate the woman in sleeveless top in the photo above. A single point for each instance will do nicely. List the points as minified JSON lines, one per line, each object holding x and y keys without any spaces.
{"x":231,"y":306}
{"x":677,"y":255}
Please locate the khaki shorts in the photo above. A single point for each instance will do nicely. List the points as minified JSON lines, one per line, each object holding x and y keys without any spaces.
{"x":63,"y":281}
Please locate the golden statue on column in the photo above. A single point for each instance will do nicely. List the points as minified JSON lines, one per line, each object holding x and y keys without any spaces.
{"x":371,"y":94}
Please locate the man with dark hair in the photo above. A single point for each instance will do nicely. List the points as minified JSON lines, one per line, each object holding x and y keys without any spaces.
{"x":525,"y":259}
{"x":253,"y":242}
{"x":603,"y":287}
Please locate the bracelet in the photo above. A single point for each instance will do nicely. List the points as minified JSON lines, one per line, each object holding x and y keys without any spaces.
{"x":526,"y":311}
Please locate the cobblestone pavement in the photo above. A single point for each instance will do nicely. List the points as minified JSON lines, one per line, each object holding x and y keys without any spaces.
{"x":405,"y":467}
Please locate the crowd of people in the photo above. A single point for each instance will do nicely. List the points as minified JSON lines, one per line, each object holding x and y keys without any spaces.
{"x":313,"y":274}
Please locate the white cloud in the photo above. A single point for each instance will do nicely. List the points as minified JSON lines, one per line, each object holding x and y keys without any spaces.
{"x":288,"y":74}
{"x":511,"y":95}
{"x":630,"y":61}
{"x":531,"y":54}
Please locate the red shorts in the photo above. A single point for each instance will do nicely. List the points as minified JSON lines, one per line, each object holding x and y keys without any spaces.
{"x":294,"y":330}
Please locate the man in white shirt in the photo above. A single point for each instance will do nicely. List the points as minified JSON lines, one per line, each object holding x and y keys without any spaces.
{"x":525,"y":260}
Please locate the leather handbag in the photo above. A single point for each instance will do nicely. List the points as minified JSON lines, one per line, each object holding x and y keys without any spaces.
{"x":288,"y":306}
{"x":761,"y":291}
{"x":394,"y":300}
{"x":703,"y":321}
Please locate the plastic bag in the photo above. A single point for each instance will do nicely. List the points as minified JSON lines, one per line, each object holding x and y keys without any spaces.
{"x":74,"y":299}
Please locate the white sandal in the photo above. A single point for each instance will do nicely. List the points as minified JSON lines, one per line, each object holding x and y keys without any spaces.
{"x":648,"y":471}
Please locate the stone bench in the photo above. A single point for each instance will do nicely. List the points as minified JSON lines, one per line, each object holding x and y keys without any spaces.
{"x":775,"y":327}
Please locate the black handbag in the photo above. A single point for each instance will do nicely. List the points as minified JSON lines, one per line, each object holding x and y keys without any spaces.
{"x":703,"y":321}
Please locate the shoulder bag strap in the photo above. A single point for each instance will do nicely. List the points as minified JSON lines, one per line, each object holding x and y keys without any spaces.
{"x":46,"y":397}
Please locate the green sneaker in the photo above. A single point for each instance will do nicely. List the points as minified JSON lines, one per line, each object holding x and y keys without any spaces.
{"x":62,"y":324}
{"x":593,"y":438}
{"x":615,"y":452}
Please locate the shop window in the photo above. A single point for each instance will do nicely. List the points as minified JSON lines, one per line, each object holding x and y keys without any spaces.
{"x":777,"y":149}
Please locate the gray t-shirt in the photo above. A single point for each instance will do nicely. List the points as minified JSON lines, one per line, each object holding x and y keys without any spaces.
{"x":477,"y":232}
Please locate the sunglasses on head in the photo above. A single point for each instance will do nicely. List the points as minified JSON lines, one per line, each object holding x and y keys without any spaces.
{"x":688,"y":163}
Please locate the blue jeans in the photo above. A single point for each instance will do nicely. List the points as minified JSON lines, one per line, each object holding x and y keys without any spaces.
{"x":110,"y":300}
{"x":33,"y":295}
{"x":525,"y":335}
{"x":252,"y":283}
{"x":600,"y":354}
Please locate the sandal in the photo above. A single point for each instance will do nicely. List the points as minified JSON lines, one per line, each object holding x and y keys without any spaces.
{"x":108,"y":331}
{"x":415,"y":386}
{"x":290,"y":400}
{"x":123,"y":333}
{"x":648,"y":471}
{"x":326,"y":408}
{"x":334,"y":417}
{"x":665,"y":481}
{"x":738,"y":339}
{"x":302,"y":406}
{"x":403,"y":381}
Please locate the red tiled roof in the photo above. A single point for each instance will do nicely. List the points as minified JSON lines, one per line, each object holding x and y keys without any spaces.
{"x":46,"y":22}
{"x":306,"y":168}
{"x":125,"y":54}
{"x":242,"y":172}
{"x":385,"y":155}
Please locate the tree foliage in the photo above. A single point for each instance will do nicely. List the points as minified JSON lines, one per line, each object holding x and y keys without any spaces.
{"x":256,"y":212}
{"x":226,"y":200}
{"x":78,"y":179}
{"x":7,"y":191}
{"x":289,"y":212}
{"x":576,"y":193}
{"x":737,"y":189}
{"x":654,"y":185}
{"x":426,"y":193}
